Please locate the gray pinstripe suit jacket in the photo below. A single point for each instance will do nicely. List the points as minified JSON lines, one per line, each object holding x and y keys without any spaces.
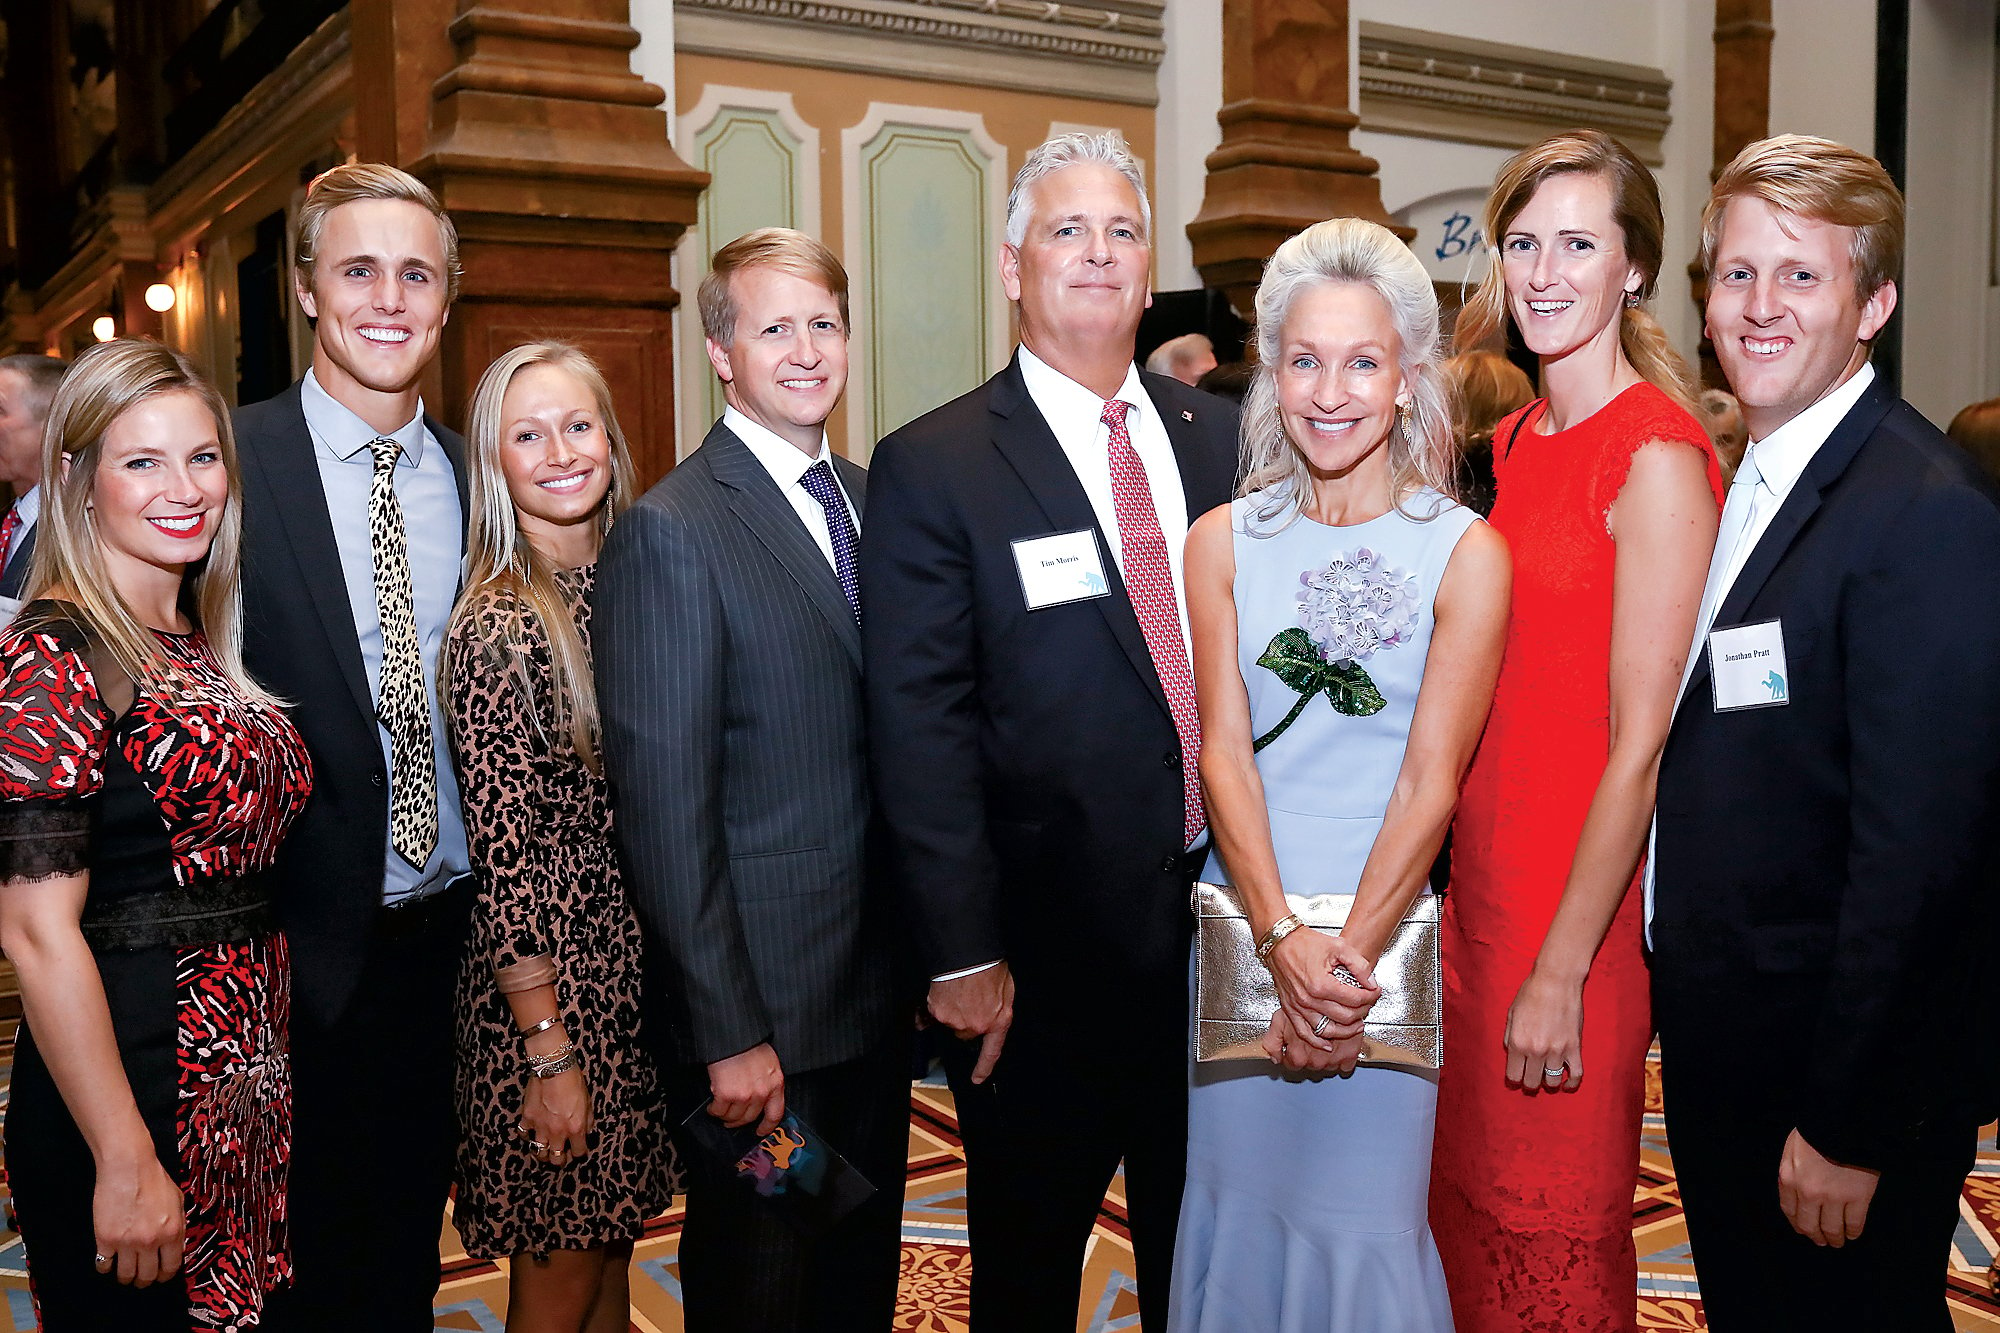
{"x":729,"y":677}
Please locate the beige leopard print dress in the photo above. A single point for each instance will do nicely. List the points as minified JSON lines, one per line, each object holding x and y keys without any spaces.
{"x":539,"y":825}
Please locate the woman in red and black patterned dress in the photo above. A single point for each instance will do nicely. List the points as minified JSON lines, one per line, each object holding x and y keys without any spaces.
{"x":145,"y":783}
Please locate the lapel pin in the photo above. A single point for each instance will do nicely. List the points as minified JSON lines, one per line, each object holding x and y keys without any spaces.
{"x":1186,"y":415}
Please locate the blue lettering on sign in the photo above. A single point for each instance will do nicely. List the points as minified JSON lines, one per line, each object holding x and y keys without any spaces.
{"x":1459,"y":236}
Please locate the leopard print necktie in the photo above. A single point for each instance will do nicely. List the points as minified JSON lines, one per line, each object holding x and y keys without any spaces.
{"x":403,"y":704}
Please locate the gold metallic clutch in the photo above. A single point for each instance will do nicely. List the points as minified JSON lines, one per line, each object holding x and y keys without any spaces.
{"x":1234,"y":996}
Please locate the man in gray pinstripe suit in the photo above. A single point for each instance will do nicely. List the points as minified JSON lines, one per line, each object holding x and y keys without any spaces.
{"x":729,"y":675}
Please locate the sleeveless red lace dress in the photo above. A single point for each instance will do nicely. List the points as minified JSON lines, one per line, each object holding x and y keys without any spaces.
{"x":1531,"y":1196}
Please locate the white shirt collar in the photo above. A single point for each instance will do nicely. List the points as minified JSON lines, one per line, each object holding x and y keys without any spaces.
{"x":336,"y":426}
{"x":785,"y":461}
{"x":1059,"y":395}
{"x":28,"y":506}
{"x":1782,"y":456}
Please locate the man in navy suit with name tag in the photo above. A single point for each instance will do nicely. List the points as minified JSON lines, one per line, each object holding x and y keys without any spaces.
{"x":1033,"y":735}
{"x":1820,"y":896}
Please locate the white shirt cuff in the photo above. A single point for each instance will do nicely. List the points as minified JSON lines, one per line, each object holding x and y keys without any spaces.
{"x":969,"y":971}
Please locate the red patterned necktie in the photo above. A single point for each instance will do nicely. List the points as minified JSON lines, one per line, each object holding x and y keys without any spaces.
{"x":7,"y":526}
{"x":1149,"y":582}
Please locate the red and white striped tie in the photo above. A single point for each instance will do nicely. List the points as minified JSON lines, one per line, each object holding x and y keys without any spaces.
{"x":1149,"y":582}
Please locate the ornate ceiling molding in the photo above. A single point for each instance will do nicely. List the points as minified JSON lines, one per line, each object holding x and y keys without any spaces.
{"x":1438,"y":86}
{"x":1111,"y":47}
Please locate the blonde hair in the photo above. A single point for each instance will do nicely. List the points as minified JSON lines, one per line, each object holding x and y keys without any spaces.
{"x":504,"y":570}
{"x":353,"y":184}
{"x":1635,"y":210}
{"x":105,"y":382}
{"x":1347,"y":250}
{"x":1826,"y":182}
{"x":1485,"y":387}
{"x":781,"y":248}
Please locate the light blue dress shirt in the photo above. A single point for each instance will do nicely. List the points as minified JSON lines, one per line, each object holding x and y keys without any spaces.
{"x":433,"y":523}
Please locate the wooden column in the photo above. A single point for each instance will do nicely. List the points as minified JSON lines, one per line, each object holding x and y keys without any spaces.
{"x":552,"y":157}
{"x":1742,"y":76}
{"x":1285,"y":161}
{"x":1743,"y":32}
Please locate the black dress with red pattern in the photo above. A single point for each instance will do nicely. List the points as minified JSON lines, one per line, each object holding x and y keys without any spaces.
{"x":174,"y":807}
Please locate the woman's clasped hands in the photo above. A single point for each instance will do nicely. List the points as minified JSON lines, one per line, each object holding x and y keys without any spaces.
{"x":1320,"y":1014}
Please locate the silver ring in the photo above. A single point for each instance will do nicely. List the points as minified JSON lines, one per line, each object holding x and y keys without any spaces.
{"x":1560,"y":1071}
{"x":103,"y":1259}
{"x":1319,"y":1025}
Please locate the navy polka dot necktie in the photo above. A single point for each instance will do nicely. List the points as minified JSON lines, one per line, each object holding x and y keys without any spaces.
{"x":819,"y":484}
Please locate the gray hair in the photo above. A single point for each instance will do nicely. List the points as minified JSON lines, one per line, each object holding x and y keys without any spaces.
{"x":1069,"y":150}
{"x":43,"y":374}
{"x":1420,"y":452}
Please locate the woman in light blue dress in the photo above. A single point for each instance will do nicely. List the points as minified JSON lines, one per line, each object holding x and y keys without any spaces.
{"x":1347,"y":620}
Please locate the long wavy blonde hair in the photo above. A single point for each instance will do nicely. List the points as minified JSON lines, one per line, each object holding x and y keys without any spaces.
{"x":503,"y":567}
{"x":1635,"y":209}
{"x":107,"y":381}
{"x":1347,"y":250}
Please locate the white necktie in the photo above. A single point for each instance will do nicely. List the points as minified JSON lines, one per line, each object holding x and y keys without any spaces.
{"x":1739,"y":515}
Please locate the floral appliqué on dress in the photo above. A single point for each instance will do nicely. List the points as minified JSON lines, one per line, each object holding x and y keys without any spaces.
{"x":1350,"y":610}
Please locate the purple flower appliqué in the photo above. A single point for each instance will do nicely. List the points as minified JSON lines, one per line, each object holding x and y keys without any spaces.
{"x":1357,"y":605}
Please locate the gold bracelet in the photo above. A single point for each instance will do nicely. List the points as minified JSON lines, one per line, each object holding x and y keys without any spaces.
{"x":1287,"y":923}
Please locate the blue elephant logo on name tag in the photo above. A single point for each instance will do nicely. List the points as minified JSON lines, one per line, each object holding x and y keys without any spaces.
{"x":1775,"y":683}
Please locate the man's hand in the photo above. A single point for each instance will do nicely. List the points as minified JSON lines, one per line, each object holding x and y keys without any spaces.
{"x":1826,"y":1202}
{"x":746,"y":1087}
{"x":980,"y":1005}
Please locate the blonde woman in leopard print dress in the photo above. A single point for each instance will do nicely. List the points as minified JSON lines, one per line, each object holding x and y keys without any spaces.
{"x":563,"y":1156}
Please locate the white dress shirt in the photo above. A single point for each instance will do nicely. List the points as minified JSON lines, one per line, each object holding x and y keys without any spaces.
{"x":27,"y":510}
{"x":788,"y":464}
{"x":1075,"y":415}
{"x":1779,"y":460}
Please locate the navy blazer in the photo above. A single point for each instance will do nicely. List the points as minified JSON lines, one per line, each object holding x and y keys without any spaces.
{"x":1825,"y":869}
{"x":1026,"y":763}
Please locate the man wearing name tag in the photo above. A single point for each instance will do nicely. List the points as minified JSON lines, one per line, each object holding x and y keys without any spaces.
{"x":1033,"y":732}
{"x":1820,"y":897}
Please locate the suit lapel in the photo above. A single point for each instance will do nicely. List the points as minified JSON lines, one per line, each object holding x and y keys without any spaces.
{"x":16,"y":574}
{"x":756,"y":500}
{"x":1831,"y":459}
{"x":298,"y":498}
{"x":454,"y":449}
{"x":1030,"y":447}
{"x":1198,"y":479}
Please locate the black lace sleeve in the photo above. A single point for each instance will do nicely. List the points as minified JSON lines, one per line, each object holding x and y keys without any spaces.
{"x":45,"y":839}
{"x":53,"y":733}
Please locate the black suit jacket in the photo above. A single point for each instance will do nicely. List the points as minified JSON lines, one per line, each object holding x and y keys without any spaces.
{"x":1026,"y":763}
{"x":16,"y":574}
{"x":1825,"y":870}
{"x":299,"y":641}
{"x":729,"y":679}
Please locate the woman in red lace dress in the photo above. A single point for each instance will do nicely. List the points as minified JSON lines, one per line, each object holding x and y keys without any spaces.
{"x":1609,"y":496}
{"x":145,"y":782}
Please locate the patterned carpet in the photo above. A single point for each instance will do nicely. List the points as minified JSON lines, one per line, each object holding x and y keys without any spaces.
{"x":936,"y":1265}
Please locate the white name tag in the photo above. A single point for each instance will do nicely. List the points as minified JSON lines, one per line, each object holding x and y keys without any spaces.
{"x":1063,"y":567}
{"x":1746,"y":666}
